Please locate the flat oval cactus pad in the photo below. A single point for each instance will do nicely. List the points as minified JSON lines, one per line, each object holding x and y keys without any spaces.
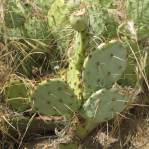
{"x":105,"y":104}
{"x":55,"y":97}
{"x":17,"y":95}
{"x":104,"y":67}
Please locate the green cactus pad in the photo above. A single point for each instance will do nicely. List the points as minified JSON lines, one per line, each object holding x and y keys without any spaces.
{"x":58,"y":14}
{"x":101,"y":106}
{"x":55,"y":97}
{"x":17,"y":95}
{"x":79,"y":21}
{"x":105,"y":104}
{"x":104,"y":67}
{"x":74,"y":80}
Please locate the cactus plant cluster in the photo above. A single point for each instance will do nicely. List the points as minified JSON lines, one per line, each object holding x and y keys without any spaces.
{"x":92,"y":76}
{"x":88,"y":92}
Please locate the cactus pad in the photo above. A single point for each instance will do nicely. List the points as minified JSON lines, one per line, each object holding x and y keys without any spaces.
{"x":104,"y":67}
{"x":59,"y":12}
{"x":16,"y":93}
{"x":74,"y":80}
{"x":54,"y":97}
{"x":101,"y":106}
{"x":105,"y":104}
{"x":56,"y":14}
{"x":79,"y":21}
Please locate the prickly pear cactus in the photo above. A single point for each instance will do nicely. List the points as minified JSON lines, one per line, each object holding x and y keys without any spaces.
{"x":79,"y":22}
{"x":17,"y":94}
{"x":104,"y":104}
{"x":103,"y":67}
{"x":55,"y":97}
{"x":96,"y":17}
{"x":57,"y":13}
{"x":101,"y":106}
